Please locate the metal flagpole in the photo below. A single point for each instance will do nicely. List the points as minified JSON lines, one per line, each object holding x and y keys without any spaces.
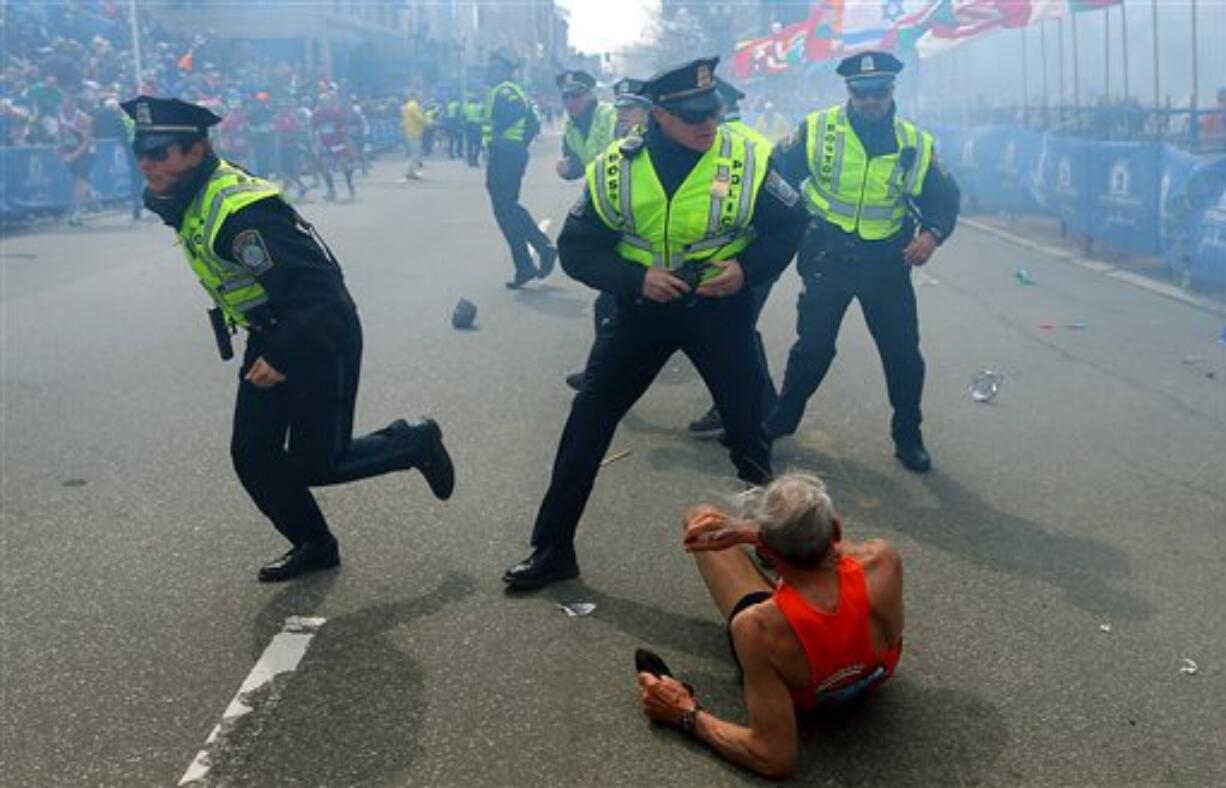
{"x":1153,"y":5}
{"x":1076,"y":70}
{"x":1043,"y":63}
{"x":1060,"y":63}
{"x":1025,"y":81}
{"x":1124,"y":42}
{"x":1195,"y":64}
{"x":1107,"y":51}
{"x":136,"y":58}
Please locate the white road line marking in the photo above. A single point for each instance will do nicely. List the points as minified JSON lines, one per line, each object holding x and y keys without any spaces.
{"x":282,"y":656}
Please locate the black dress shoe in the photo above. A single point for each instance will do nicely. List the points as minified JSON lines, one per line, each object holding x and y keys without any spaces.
{"x":708,"y":426}
{"x":548,"y":258}
{"x":431,"y":458}
{"x":913,"y":456}
{"x":546,"y":565}
{"x":522,"y":277}
{"x":576,"y":380}
{"x":302,"y":558}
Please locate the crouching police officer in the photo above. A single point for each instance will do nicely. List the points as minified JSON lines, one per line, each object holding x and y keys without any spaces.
{"x":269,"y":272}
{"x":882,"y":204}
{"x":678,"y":225}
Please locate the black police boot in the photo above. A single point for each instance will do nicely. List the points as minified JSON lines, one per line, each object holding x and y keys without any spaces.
{"x":428,"y":455}
{"x":522,"y":277}
{"x":302,"y":558}
{"x":708,"y":426}
{"x":576,"y":380}
{"x":912,"y":454}
{"x":548,"y":257}
{"x":546,"y":565}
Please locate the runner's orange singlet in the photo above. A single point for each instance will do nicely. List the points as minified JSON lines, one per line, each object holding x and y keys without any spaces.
{"x":839,"y":647}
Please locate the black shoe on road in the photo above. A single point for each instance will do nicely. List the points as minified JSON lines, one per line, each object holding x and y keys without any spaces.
{"x":576,"y":380}
{"x":913,"y":456}
{"x":548,"y":258}
{"x":429,"y":455}
{"x":522,"y":277}
{"x":546,"y":565}
{"x":709,"y":426}
{"x":303,"y":558}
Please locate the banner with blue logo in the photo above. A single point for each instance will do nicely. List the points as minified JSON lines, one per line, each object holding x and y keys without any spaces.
{"x":1124,"y":192}
{"x":34,"y":179}
{"x":113,"y":171}
{"x":1207,"y":239}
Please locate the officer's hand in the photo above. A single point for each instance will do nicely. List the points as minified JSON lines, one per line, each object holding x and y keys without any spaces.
{"x":262,"y":375}
{"x":920,"y":249}
{"x":729,"y":281}
{"x":661,"y":286}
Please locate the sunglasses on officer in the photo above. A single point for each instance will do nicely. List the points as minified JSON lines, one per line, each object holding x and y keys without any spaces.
{"x":157,"y":154}
{"x":875,"y":92}
{"x":696,"y":117}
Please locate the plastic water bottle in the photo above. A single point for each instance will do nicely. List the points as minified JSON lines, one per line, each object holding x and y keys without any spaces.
{"x":985,"y":385}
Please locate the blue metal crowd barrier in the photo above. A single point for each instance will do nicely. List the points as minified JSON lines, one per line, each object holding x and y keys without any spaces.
{"x":1139,"y":197}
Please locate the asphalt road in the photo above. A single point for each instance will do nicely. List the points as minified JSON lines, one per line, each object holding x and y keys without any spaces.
{"x":1089,"y":493}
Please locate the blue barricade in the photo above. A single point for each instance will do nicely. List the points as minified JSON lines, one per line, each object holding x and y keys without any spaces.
{"x":34,"y":180}
{"x":1139,"y":197}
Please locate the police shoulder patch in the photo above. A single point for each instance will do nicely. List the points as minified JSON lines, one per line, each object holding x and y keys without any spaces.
{"x":251,"y":252}
{"x":778,"y":186}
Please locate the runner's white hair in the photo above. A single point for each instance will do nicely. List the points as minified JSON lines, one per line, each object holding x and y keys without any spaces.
{"x":795,"y":516}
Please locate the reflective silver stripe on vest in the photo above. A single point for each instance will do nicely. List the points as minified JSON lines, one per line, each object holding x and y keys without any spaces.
{"x":722,"y":173}
{"x":602,"y":193}
{"x":840,"y":142}
{"x":714,"y":242}
{"x":637,"y":241}
{"x":624,"y":194}
{"x":841,"y":207}
{"x":747,"y":184}
{"x":913,"y":175}
{"x":220,"y":198}
{"x":878,"y":212}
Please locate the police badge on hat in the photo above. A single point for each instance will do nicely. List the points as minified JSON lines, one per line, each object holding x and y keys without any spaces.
{"x":143,"y":115}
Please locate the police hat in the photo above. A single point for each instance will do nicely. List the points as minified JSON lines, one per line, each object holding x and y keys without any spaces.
{"x":162,"y":121}
{"x":575,"y":81}
{"x":869,"y":69}
{"x":628,"y":92}
{"x":728,"y":93}
{"x":686,"y":88}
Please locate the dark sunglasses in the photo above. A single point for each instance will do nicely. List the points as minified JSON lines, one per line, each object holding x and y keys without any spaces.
{"x":160,"y":153}
{"x":694,"y":117}
{"x":573,"y":94}
{"x":877,"y":93}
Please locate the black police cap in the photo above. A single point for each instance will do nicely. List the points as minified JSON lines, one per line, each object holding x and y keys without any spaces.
{"x":575,"y":81}
{"x":160,"y":121}
{"x":628,"y":92}
{"x":869,"y":67}
{"x":463,"y":315}
{"x":688,"y":87}
{"x":728,"y":92}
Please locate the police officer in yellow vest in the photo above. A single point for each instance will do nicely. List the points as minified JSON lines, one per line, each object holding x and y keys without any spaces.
{"x":678,"y":225}
{"x":632,"y":108}
{"x":269,"y":273}
{"x":474,"y":115}
{"x":510,"y":124}
{"x":590,"y":124}
{"x":882,"y":204}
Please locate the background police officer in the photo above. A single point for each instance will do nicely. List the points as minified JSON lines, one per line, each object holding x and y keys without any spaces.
{"x":710,"y":424}
{"x":510,"y":125}
{"x":269,"y":272}
{"x":678,"y":237}
{"x":882,"y":203}
{"x":632,"y":108}
{"x":590,"y":124}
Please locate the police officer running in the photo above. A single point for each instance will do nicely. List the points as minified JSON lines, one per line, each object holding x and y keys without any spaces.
{"x":589,"y":124}
{"x":883,"y":203}
{"x":269,"y":272}
{"x":510,"y":124}
{"x":678,"y":225}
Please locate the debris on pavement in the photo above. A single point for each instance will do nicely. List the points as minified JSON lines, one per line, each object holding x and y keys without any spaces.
{"x":612,"y":458}
{"x":1189,"y":667}
{"x":1077,"y":326}
{"x":1106,"y":628}
{"x":985,"y":385}
{"x":577,"y":609}
{"x":75,"y":482}
{"x":1047,"y":326}
{"x":1024,"y":277}
{"x":464,"y":314}
{"x":926,"y":280}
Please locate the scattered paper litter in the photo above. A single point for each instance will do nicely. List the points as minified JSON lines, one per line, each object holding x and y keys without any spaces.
{"x":577,"y":609}
{"x":1189,"y":667}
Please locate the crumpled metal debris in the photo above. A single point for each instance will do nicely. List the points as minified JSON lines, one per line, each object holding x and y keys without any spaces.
{"x":1189,"y":667}
{"x":577,"y":609}
{"x":985,"y":385}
